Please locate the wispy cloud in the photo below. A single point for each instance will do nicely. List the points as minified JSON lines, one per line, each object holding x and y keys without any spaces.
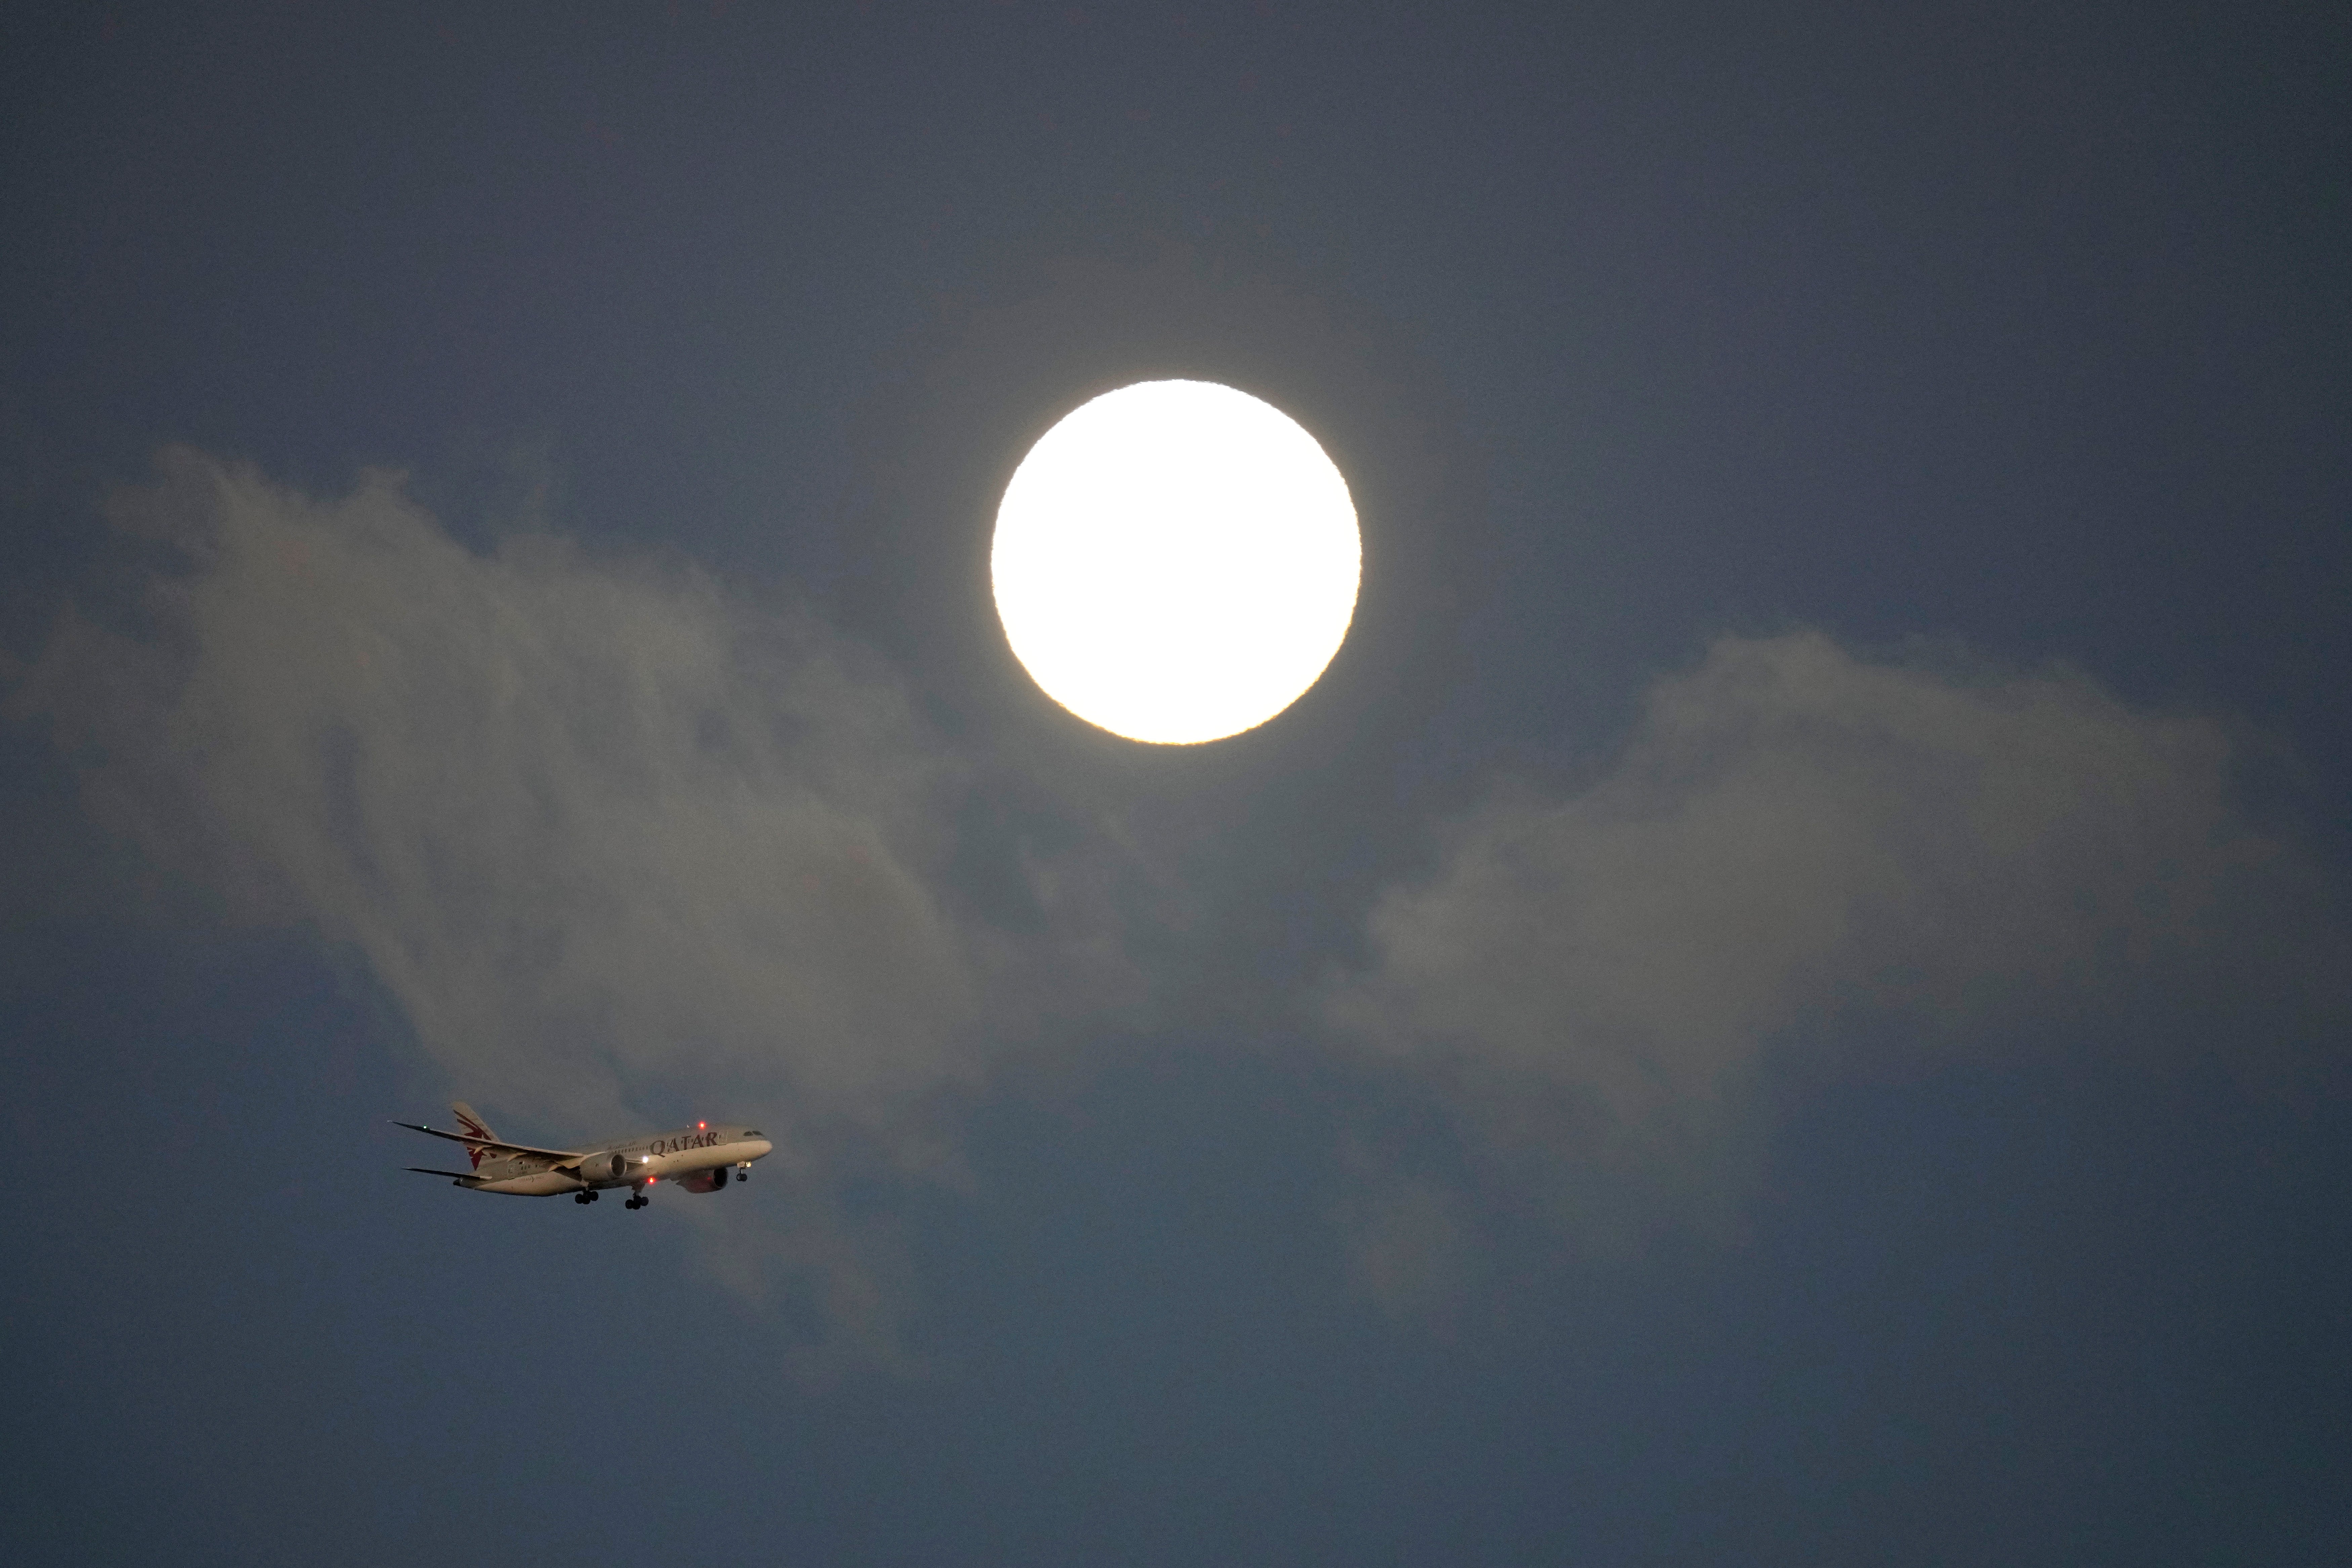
{"x":604,"y":831}
{"x":587,"y":820}
{"x":1794,"y":837}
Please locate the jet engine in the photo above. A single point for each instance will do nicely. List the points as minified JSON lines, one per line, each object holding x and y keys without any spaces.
{"x":704,"y":1181}
{"x":599,"y":1169}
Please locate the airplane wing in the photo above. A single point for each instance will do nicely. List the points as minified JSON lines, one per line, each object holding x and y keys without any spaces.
{"x":473,"y":1142}
{"x":458,"y":1174}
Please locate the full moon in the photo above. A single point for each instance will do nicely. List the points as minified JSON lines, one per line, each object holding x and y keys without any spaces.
{"x":1176,"y":561}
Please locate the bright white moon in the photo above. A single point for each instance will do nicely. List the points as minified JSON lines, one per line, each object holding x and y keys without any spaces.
{"x":1176,"y":561}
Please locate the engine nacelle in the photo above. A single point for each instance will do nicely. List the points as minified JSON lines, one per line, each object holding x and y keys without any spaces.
{"x":704,"y":1181}
{"x":605,"y":1170}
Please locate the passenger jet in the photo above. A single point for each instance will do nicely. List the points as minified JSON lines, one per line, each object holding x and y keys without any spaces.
{"x":696,"y":1158}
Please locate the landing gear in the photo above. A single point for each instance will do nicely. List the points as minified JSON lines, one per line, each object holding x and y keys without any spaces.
{"x":742,"y":1173}
{"x":589,"y":1197}
{"x":637,"y":1202}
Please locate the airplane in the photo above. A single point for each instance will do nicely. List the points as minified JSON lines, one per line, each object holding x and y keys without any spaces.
{"x":697,"y":1158}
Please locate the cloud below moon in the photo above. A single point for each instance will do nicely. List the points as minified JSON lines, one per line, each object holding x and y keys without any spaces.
{"x":592,"y":824}
{"x":602,"y":826}
{"x":1792,"y":830}
{"x":1803,"y":858}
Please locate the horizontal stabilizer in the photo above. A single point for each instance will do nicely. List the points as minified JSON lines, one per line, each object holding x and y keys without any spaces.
{"x":470,"y":1142}
{"x":459,"y":1175}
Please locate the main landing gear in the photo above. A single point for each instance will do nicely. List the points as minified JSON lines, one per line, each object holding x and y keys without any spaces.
{"x":589,"y":1197}
{"x":637,"y":1202}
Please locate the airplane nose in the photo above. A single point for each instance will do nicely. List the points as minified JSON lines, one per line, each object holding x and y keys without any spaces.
{"x":763,"y":1148}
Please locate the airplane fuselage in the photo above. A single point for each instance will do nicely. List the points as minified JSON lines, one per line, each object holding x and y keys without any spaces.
{"x":637,"y":1163}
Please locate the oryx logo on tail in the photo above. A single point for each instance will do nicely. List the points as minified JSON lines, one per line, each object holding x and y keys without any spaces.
{"x":475,"y":1128}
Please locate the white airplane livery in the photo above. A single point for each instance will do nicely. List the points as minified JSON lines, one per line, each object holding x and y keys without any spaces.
{"x":697,"y":1158}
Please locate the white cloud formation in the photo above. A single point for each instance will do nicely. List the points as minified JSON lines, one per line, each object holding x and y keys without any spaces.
{"x":602,"y":830}
{"x":1793,"y":835}
{"x":592,"y":823}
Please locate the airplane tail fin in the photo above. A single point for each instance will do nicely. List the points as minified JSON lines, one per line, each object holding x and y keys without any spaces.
{"x":473,"y":1127}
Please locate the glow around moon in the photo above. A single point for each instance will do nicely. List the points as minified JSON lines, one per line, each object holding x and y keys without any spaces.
{"x":1176,"y":561}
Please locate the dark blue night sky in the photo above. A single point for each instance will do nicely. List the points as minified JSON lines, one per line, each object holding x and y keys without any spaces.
{"x":1786,"y":999}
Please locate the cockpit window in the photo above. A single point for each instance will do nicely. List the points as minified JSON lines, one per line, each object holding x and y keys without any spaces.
{"x":755,"y":1134}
